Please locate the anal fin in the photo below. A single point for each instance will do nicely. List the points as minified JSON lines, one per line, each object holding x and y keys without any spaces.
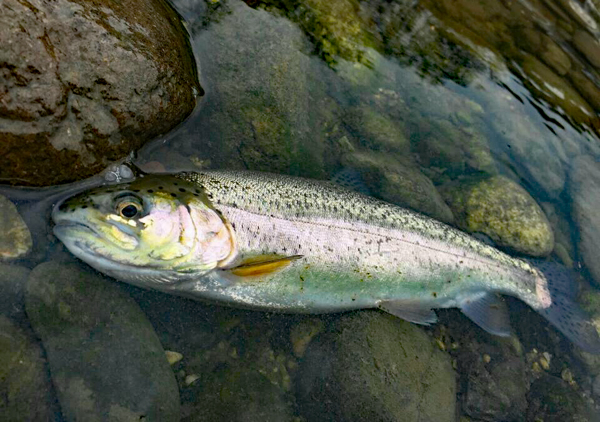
{"x":489,"y":312}
{"x":410,"y":310}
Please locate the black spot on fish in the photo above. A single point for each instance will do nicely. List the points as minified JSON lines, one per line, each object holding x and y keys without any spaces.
{"x":150,"y":191}
{"x":84,"y":207}
{"x":181,"y":190}
{"x":136,"y":190}
{"x":174,"y":195}
{"x":160,"y":187}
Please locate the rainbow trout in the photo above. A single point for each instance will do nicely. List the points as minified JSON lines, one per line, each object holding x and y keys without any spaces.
{"x":287,"y":244}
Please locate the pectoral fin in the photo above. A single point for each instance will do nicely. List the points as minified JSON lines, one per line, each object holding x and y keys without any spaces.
{"x":410,"y":310}
{"x":262,"y":265}
{"x":489,"y":312}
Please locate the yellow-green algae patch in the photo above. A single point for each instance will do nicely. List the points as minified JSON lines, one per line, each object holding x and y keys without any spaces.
{"x":504,"y":211}
{"x":15,"y":238}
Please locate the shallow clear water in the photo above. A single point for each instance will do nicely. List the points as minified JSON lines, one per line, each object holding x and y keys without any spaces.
{"x":424,"y":100}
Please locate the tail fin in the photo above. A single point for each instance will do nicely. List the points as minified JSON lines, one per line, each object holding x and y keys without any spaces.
{"x":564,"y":313}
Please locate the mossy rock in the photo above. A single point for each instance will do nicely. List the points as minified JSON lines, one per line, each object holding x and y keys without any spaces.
{"x":376,"y":131}
{"x":504,"y":211}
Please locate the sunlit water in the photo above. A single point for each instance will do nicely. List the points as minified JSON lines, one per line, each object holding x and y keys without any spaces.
{"x":292,"y":90}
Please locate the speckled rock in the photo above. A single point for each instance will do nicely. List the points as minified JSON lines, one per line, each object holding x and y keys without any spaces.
{"x":399,"y":181}
{"x":15,"y":238}
{"x":105,"y":359}
{"x":25,"y":389}
{"x":585,"y":194}
{"x":502,"y":210}
{"x":375,"y":367}
{"x":84,"y":82}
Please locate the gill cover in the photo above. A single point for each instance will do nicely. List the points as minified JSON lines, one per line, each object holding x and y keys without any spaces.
{"x":157,"y":225}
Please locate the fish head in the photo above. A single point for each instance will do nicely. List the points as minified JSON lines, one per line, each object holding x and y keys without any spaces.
{"x":157,"y":229}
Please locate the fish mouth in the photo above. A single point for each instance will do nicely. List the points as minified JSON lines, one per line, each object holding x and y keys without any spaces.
{"x":62,"y":228}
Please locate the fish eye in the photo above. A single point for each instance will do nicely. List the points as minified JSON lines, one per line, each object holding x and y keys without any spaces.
{"x":129,"y":209}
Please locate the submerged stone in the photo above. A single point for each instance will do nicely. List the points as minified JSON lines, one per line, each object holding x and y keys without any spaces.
{"x":502,"y":210}
{"x":376,"y":131}
{"x":15,"y":238}
{"x":585,"y":199}
{"x":451,"y":149}
{"x":25,"y":389}
{"x":399,"y":181}
{"x":375,"y":367}
{"x":269,"y":111}
{"x":85,"y":82}
{"x":13,"y":280}
{"x":554,"y":400}
{"x":105,"y":359}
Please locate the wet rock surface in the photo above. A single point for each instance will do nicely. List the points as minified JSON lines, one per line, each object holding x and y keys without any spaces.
{"x":85,"y":82}
{"x":553,"y":400}
{"x":376,"y":367}
{"x":105,"y":359}
{"x":235,"y":365}
{"x":265,"y":109}
{"x":399,"y":181}
{"x":15,"y":238}
{"x":502,"y":210}
{"x":25,"y":388}
{"x":585,"y":191}
{"x":13,"y":281}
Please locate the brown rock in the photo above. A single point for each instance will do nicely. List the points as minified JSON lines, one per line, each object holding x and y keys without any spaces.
{"x":555,"y":57}
{"x":588,"y":89}
{"x":588,"y":46}
{"x":15,"y":238}
{"x":84,"y":82}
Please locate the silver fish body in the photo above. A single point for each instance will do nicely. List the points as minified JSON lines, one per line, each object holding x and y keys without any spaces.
{"x":351,"y":251}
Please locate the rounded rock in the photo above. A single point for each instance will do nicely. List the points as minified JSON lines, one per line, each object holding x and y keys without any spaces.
{"x":105,"y":359}
{"x":87,"y":81}
{"x":15,"y":238}
{"x":25,"y":387}
{"x":502,"y":210}
{"x":374,"y":366}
